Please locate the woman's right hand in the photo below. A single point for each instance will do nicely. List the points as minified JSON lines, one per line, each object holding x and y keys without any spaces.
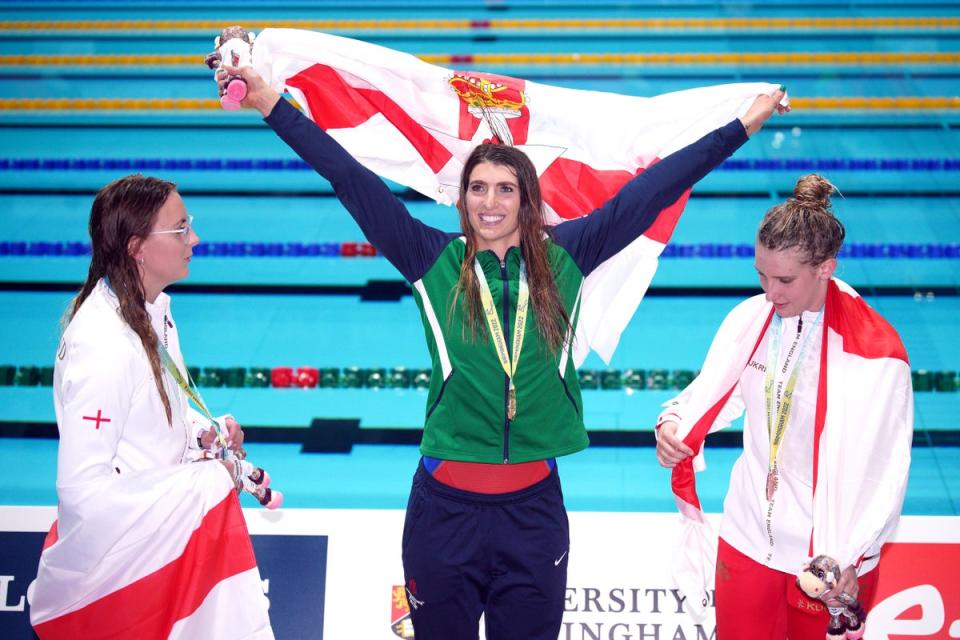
{"x":259,"y":94}
{"x":670,"y":449}
{"x":231,"y":469}
{"x":762,"y":108}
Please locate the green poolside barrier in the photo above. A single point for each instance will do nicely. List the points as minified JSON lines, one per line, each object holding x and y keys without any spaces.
{"x":404,"y":378}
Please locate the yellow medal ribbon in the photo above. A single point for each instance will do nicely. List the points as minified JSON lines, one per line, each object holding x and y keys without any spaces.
{"x":777,"y":426}
{"x":191,"y":390}
{"x":496,"y":330}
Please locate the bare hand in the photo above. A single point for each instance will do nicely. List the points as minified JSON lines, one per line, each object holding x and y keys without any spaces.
{"x":234,"y":437}
{"x":670,"y":449}
{"x":761,"y":110}
{"x":259,"y":95}
{"x":234,"y":471}
{"x":848,"y":584}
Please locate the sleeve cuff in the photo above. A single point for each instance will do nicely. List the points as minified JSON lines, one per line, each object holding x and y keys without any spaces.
{"x":283,"y":112}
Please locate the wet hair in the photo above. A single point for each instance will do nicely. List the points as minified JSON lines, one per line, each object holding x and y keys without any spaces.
{"x":805,"y":222}
{"x":549,"y":313}
{"x":125,"y":209}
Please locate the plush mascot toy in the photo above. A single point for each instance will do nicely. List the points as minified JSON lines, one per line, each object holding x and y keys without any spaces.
{"x":246,"y":476}
{"x":256,"y":481}
{"x":234,"y":47}
{"x":817,"y":578}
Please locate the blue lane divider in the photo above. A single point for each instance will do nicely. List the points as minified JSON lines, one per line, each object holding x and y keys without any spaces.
{"x":842,"y":164}
{"x":295,"y":164}
{"x":150,"y":164}
{"x":860,"y":250}
{"x":850,"y":250}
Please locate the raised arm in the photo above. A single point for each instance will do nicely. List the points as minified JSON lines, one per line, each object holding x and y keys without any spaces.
{"x":592,"y":239}
{"x":411,"y":246}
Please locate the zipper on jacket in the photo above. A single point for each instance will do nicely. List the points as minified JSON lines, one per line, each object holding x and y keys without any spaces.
{"x":506,"y":379}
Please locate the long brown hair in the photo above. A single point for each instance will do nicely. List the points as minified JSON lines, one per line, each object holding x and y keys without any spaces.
{"x":122,"y":210}
{"x":548,"y":311}
{"x":805,"y":221}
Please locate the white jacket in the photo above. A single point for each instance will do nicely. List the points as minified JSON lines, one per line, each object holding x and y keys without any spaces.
{"x":861,"y":437}
{"x":129,"y":506}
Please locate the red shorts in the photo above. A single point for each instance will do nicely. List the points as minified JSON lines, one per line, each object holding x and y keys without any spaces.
{"x":754,"y":601}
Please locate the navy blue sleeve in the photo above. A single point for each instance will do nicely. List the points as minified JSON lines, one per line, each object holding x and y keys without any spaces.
{"x":410,"y":245}
{"x":592,"y":239}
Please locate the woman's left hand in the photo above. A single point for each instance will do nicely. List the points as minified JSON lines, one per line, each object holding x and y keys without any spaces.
{"x":762,"y":108}
{"x":234,"y":436}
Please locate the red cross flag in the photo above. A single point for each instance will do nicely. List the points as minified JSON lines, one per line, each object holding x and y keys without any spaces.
{"x":97,"y":419}
{"x":415,"y":123}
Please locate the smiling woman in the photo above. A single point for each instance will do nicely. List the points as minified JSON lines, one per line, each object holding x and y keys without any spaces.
{"x":499,"y":303}
{"x":493,"y":207}
{"x":503,"y":208}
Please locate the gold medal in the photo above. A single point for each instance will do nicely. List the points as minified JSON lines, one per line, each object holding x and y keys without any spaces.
{"x":501,"y":348}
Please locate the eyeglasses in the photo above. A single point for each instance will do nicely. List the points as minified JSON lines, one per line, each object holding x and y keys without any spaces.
{"x":185,"y":231}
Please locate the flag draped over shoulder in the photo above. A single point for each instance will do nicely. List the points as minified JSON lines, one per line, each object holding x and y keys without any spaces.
{"x":415,"y":123}
{"x":159,"y":553}
{"x":863,"y":428}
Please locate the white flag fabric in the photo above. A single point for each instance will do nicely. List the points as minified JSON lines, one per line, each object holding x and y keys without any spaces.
{"x":415,"y":123}
{"x":163,"y":553}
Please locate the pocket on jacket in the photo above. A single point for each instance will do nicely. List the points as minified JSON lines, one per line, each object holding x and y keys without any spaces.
{"x":443,"y":388}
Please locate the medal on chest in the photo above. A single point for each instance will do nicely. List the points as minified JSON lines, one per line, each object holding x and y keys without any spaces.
{"x":772,"y":480}
{"x":509,"y":357}
{"x":778,"y":396}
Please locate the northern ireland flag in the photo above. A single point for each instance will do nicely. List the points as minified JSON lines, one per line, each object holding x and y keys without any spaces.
{"x":863,"y":428}
{"x":162,"y":553}
{"x":415,"y":123}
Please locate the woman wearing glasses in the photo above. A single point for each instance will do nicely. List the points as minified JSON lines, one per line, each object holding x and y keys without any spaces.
{"x":144,"y":546}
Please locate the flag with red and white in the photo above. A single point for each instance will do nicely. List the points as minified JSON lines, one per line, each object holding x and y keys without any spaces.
{"x":161,"y":553}
{"x":415,"y":123}
{"x":863,"y":428}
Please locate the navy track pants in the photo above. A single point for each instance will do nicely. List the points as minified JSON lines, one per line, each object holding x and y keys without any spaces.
{"x":503,"y":555}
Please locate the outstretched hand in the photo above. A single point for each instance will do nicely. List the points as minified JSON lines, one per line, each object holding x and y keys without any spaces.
{"x":259,"y":94}
{"x":762,"y":108}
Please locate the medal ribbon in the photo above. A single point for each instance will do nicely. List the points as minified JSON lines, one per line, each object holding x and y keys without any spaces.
{"x":496,"y":330}
{"x":191,"y":390}
{"x":777,"y":428}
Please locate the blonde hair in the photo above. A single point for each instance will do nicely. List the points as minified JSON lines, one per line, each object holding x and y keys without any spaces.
{"x":806,"y":222}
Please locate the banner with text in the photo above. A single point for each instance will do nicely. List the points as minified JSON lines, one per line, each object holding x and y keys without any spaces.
{"x":337,"y":574}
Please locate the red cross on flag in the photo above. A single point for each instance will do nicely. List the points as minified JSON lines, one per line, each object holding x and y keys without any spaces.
{"x":97,"y":418}
{"x":415,"y":123}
